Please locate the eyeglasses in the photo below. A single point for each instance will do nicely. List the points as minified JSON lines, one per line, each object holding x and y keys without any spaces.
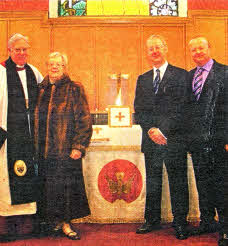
{"x":52,"y":64}
{"x":20,"y":50}
{"x":156,"y":48}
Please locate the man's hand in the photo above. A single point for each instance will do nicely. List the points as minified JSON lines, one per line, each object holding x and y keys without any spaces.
{"x":75,"y":154}
{"x":156,"y":136}
{"x":226,"y":147}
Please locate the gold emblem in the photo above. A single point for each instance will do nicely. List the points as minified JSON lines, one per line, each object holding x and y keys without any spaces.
{"x":120,"y":186}
{"x":20,"y":168}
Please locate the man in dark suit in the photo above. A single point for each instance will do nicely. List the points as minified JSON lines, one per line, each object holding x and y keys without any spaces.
{"x":207,"y":132}
{"x":159,"y":101}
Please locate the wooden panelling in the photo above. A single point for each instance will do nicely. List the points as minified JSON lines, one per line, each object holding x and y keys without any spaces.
{"x":3,"y":39}
{"x":78,"y":44}
{"x":117,"y":52}
{"x":39,"y":40}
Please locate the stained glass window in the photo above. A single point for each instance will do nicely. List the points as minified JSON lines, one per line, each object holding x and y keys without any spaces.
{"x":59,"y":8}
{"x":71,"y":7}
{"x":164,"y":7}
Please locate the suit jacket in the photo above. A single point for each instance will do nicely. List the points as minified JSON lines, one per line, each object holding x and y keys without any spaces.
{"x":163,"y":110}
{"x":207,"y":118}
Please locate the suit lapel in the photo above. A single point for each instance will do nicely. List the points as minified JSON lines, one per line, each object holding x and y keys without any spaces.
{"x":148,"y":82}
{"x":190,"y":92}
{"x":211,"y":82}
{"x":192,"y":72}
{"x":166,"y":77}
{"x":165,"y":80}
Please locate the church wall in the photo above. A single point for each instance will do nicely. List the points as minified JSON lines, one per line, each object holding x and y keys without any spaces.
{"x":97,"y":48}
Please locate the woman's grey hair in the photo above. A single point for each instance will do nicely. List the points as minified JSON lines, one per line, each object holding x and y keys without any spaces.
{"x":15,"y":37}
{"x":58,"y":54}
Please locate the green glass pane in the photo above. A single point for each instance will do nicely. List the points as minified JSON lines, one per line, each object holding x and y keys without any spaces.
{"x":72,"y":7}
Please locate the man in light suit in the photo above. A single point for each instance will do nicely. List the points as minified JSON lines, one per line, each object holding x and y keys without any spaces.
{"x":159,"y":104}
{"x":206,"y":128}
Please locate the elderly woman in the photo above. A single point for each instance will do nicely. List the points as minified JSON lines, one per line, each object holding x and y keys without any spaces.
{"x":62,"y":132}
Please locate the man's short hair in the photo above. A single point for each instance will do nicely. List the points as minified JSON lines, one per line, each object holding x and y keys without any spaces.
{"x":157,"y":37}
{"x":15,"y":37}
{"x":197,"y":37}
{"x":58,"y":54}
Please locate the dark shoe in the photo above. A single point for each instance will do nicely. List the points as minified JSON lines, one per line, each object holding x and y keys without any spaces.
{"x":56,"y":230}
{"x":7,"y":238}
{"x":181,"y":232}
{"x":44,"y":229}
{"x":148,"y":227}
{"x":205,"y":228}
{"x":223,"y":240}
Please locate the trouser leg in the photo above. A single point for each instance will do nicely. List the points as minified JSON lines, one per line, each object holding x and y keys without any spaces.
{"x":203,"y":167}
{"x":176,"y":165}
{"x":154,"y":167}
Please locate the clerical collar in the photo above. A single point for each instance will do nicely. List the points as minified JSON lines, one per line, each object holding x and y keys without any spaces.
{"x":20,"y":68}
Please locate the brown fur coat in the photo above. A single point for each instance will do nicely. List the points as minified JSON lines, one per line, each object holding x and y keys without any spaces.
{"x":66,"y":122}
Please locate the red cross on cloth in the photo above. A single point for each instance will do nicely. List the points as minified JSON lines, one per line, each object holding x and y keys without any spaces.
{"x":120,"y":116}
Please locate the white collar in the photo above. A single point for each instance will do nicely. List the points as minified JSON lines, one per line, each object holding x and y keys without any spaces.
{"x":162,"y":69}
{"x":20,"y":66}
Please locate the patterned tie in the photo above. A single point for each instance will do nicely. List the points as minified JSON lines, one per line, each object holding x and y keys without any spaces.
{"x":156,"y":81}
{"x":197,"y":83}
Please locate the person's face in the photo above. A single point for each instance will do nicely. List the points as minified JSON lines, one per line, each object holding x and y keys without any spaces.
{"x":19,"y":52}
{"x":200,"y":51}
{"x":156,"y":52}
{"x":56,"y":68}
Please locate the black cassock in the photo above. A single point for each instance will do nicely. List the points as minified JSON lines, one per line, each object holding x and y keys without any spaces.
{"x":24,"y":186}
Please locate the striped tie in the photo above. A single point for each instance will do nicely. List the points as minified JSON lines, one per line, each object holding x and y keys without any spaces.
{"x":197,"y":84}
{"x":156,"y":81}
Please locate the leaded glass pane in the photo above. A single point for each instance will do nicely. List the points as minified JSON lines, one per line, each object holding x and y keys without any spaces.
{"x":164,"y":7}
{"x":71,"y":7}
